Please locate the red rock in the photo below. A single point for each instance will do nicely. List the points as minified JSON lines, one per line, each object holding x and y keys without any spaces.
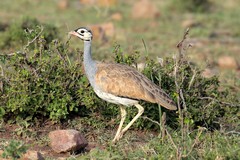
{"x":144,"y":9}
{"x":63,"y":4}
{"x":227,"y":62}
{"x":102,"y":31}
{"x":116,"y":16}
{"x":102,"y":3}
{"x":106,"y":3}
{"x":87,"y":2}
{"x":208,"y":73}
{"x":67,"y":140}
{"x":108,"y":29}
{"x":98,"y":32}
{"x":189,"y":23}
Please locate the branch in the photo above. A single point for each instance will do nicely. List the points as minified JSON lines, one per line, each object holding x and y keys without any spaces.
{"x":214,"y":99}
{"x":34,"y":39}
{"x":26,"y":46}
{"x":1,"y":82}
{"x":200,"y":130}
{"x":153,"y":121}
{"x":174,"y":145}
{"x":180,"y":45}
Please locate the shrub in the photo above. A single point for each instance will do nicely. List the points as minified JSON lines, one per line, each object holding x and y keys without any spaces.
{"x":42,"y":82}
{"x":201,"y":101}
{"x":192,"y":5}
{"x":16,"y":34}
{"x":14,"y":150}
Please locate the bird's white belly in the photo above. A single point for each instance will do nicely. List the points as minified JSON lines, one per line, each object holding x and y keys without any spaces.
{"x":115,"y":99}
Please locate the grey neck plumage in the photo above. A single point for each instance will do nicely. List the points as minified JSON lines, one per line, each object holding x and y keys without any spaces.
{"x":90,"y":65}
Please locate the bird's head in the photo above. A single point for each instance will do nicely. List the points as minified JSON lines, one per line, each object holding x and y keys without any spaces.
{"x":82,"y":33}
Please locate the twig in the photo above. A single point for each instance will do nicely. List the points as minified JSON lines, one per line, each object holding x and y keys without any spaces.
{"x":233,"y":132}
{"x":26,"y":46}
{"x":200,"y":130}
{"x":213,"y":99}
{"x":179,"y":60}
{"x":181,"y":43}
{"x":163,"y":121}
{"x":183,"y":100}
{"x":174,"y":145}
{"x":192,"y":79}
{"x":145,"y":47}
{"x":60,"y":55}
{"x":12,"y":54}
{"x":34,"y":39}
{"x":1,"y":82}
{"x":153,"y":121}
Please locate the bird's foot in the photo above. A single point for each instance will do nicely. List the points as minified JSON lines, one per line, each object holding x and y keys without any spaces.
{"x":117,"y":137}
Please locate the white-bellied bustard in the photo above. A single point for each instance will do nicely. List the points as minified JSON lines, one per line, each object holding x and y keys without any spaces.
{"x":120,"y":84}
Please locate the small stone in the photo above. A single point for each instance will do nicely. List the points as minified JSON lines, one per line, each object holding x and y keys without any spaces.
{"x":208,"y":73}
{"x":108,"y":28}
{"x":106,"y":3}
{"x":63,"y":4}
{"x":140,"y":66}
{"x":102,"y":31}
{"x":144,"y":9}
{"x":227,"y":62}
{"x":101,"y":3}
{"x":190,"y":23}
{"x":67,"y":140}
{"x":87,"y":2}
{"x":116,"y":16}
{"x":30,"y":154}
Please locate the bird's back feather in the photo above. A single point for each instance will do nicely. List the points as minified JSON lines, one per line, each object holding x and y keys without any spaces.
{"x":125,"y":81}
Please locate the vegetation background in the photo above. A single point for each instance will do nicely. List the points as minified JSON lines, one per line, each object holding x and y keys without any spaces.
{"x":43,"y":87}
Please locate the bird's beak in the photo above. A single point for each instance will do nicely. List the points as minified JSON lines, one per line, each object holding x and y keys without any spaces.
{"x":74,"y":33}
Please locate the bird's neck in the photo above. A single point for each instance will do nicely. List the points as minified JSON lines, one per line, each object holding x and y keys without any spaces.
{"x":90,"y":65}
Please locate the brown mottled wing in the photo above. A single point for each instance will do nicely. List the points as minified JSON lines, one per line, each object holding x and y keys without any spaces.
{"x":125,"y":81}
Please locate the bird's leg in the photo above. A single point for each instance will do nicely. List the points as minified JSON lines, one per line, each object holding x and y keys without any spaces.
{"x":123,"y":116}
{"x":140,"y":112}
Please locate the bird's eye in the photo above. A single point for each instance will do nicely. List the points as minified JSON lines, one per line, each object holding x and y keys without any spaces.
{"x":82,"y":31}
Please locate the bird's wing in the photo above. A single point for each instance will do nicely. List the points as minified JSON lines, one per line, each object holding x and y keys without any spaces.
{"x":125,"y":81}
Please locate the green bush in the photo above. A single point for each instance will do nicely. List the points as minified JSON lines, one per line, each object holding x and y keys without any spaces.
{"x":14,"y":150}
{"x":17,"y":34}
{"x":41,"y":82}
{"x":192,"y":5}
{"x":200,"y":99}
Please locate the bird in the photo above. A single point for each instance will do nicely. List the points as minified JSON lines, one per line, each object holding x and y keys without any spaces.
{"x":120,"y":84}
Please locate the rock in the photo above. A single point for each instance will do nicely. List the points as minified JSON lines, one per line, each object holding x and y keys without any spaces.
{"x":102,"y":31}
{"x":144,"y":9}
{"x":98,"y":33}
{"x":108,"y":29}
{"x":30,"y":155}
{"x":67,"y":140}
{"x":208,"y":73}
{"x":116,"y":16}
{"x":101,"y":3}
{"x":87,"y":2}
{"x":227,"y":62}
{"x":63,"y":4}
{"x":106,"y":3}
{"x":190,"y":23}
